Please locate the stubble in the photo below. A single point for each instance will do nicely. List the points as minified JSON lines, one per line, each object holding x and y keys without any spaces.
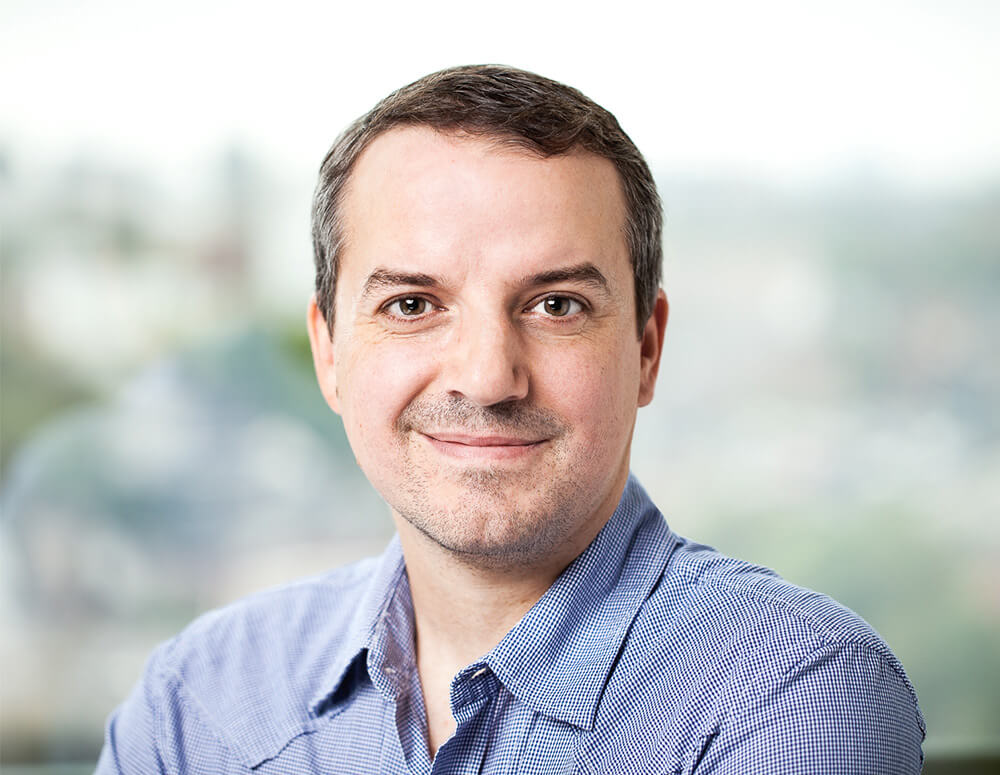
{"x":492,"y":516}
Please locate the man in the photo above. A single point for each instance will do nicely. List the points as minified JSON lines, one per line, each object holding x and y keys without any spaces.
{"x":487,"y":321}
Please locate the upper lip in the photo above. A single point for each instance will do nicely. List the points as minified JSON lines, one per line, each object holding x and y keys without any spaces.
{"x":476,"y":440}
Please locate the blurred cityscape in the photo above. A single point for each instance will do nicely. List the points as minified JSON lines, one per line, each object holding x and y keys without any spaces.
{"x":829,"y":405}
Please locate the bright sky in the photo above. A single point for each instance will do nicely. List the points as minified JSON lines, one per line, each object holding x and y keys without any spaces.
{"x":780,"y":87}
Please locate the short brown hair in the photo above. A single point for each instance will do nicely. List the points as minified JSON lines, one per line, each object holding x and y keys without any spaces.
{"x":518,"y":108}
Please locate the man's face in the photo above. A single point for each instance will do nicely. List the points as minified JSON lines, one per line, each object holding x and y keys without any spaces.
{"x":484,"y":356}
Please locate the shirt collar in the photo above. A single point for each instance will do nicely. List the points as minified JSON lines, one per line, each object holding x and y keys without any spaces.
{"x":371,"y":609}
{"x":558,"y":658}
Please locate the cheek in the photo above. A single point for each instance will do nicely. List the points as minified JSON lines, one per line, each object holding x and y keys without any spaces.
{"x":597,"y":393}
{"x":375,"y":383}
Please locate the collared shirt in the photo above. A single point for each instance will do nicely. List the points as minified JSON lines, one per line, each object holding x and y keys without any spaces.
{"x":649,"y":654}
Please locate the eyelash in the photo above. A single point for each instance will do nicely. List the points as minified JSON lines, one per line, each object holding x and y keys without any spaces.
{"x":564,"y":297}
{"x":387,"y":308}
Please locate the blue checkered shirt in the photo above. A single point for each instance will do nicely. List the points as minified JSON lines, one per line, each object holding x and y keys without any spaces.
{"x":649,"y":654}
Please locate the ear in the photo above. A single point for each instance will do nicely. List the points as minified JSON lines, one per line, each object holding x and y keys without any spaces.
{"x":322,"y":350}
{"x":650,"y":348}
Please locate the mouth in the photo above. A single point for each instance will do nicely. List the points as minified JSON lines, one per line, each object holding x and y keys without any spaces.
{"x":489,"y":448}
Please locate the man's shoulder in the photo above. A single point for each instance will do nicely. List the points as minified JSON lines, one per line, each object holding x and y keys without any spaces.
{"x":726,"y":657}
{"x":737,"y":596}
{"x":279,"y":614}
{"x":266,"y":656}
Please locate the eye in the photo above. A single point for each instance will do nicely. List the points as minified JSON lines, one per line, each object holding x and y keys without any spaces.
{"x":408,"y":306}
{"x":559,"y":306}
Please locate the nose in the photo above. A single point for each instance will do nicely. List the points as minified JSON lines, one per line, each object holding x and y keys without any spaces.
{"x":486,"y":363}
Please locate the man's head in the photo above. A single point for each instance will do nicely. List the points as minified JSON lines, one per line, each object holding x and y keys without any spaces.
{"x":508,"y":107}
{"x":484,"y":355}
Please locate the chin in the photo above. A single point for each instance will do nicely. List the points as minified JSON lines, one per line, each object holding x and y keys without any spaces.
{"x":483,"y":528}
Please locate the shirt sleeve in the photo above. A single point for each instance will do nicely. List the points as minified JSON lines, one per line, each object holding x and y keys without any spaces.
{"x":130,"y":736}
{"x":160,"y":728}
{"x":843,"y":709}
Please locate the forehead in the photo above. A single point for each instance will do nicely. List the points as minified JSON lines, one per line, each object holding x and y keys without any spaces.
{"x":419,"y":195}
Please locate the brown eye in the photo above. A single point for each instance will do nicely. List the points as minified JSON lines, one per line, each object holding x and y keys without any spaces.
{"x":411,"y":306}
{"x":561,"y":306}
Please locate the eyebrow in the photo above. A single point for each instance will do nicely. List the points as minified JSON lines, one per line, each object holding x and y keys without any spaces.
{"x":381,"y":278}
{"x":586,"y":274}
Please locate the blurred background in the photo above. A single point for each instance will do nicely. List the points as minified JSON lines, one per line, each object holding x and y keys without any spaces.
{"x":828,"y":400}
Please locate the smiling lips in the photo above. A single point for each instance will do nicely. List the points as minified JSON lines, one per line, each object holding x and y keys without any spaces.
{"x":489,"y":448}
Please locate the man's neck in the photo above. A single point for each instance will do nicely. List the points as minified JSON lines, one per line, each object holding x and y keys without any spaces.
{"x":461,"y":612}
